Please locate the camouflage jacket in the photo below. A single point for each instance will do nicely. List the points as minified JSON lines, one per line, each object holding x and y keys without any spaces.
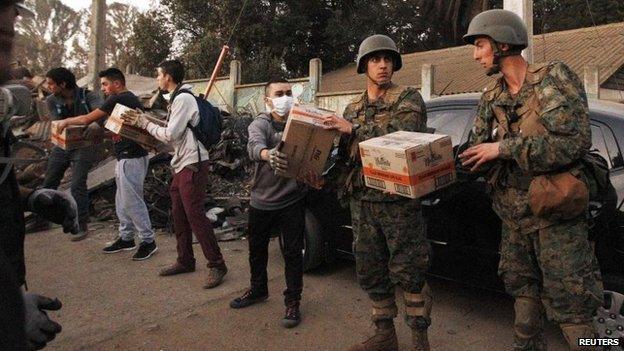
{"x":401,"y":108}
{"x":556,"y":96}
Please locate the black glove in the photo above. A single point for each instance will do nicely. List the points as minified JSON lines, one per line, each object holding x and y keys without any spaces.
{"x":93,"y":131}
{"x":40,"y":329}
{"x":57,"y":207}
{"x":278,"y":160}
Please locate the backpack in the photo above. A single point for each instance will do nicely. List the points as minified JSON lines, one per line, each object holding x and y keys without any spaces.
{"x":82,"y":102}
{"x":208,"y":130}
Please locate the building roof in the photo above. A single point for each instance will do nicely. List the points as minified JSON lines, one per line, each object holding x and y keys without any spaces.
{"x":457,"y":72}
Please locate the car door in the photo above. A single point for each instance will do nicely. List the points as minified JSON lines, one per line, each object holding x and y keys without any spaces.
{"x":462,"y":227}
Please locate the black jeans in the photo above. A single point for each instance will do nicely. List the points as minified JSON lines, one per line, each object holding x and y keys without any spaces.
{"x":81,"y":161}
{"x":290,"y":222}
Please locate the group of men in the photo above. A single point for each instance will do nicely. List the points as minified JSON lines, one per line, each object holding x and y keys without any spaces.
{"x":531,"y":122}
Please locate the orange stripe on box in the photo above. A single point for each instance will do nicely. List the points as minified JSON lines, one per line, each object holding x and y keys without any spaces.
{"x":434,"y":172}
{"x":385,"y":175}
{"x":406,"y":179}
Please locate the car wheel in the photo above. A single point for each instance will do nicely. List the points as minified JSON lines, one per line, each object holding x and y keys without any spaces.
{"x":609,"y":319}
{"x":312,"y":242}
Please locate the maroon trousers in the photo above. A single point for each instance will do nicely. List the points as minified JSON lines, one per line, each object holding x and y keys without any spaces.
{"x":188,"y":190}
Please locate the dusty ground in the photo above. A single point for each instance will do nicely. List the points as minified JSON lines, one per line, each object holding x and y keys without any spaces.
{"x":113,"y":303}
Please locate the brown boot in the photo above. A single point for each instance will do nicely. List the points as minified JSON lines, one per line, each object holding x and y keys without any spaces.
{"x":418,"y":313}
{"x":215,"y":276}
{"x":174,"y":269}
{"x":82,"y":234}
{"x":529,"y":325}
{"x":573,"y":332}
{"x":385,"y":339}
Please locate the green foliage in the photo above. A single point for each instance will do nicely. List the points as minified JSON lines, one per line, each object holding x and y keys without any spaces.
{"x":556,"y":15}
{"x":40,"y":42}
{"x":150,"y":42}
{"x":280,"y":37}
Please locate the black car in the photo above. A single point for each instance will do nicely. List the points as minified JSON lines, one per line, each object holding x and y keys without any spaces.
{"x":463,"y":229}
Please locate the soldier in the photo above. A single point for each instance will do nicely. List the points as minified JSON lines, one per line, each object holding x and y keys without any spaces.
{"x":389,"y":232}
{"x":530,"y":132}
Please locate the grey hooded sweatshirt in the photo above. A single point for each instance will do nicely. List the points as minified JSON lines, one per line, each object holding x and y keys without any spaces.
{"x":269,"y":191}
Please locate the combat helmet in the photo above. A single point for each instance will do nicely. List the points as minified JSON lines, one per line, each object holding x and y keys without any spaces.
{"x":502,"y":26}
{"x":375,"y":43}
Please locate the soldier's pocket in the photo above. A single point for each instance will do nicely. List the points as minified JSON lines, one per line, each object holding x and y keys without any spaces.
{"x":558,"y":196}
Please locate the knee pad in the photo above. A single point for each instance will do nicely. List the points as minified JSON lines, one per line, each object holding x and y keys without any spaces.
{"x":384,"y":309}
{"x":529,"y":319}
{"x":419,"y":304}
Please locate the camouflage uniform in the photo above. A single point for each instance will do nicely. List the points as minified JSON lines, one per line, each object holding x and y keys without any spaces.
{"x":389,"y":232}
{"x":541,"y":259}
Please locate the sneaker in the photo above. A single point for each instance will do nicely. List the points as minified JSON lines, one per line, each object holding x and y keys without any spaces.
{"x":292,"y":317}
{"x":215,"y":276}
{"x":145,"y":251}
{"x":247,"y":299}
{"x":175,"y":269}
{"x":119,"y":245}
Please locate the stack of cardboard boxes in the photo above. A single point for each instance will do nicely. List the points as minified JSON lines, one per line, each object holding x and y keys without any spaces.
{"x":117,"y":125}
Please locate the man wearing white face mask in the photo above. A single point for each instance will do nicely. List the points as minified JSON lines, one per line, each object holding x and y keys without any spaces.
{"x":276,"y":202}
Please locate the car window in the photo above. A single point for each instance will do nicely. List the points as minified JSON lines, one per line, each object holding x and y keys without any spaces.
{"x":615,"y":156}
{"x":451,"y":122}
{"x":598,"y":142}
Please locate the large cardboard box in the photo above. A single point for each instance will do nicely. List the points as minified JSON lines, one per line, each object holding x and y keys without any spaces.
{"x":116,"y":124}
{"x":70,"y":138}
{"x":408,"y":163}
{"x":306,"y":142}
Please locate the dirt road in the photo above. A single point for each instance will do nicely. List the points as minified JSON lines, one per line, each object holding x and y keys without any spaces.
{"x":113,"y":303}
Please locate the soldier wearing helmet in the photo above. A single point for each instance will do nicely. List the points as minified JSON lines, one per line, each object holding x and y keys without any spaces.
{"x":389,"y":232}
{"x":530,"y":135}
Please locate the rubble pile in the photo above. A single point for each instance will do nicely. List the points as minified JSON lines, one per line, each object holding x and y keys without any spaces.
{"x":227,"y":195}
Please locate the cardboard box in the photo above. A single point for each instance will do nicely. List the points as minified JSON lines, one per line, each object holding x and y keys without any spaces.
{"x":306,"y":143}
{"x":71,"y":137}
{"x":408,"y":163}
{"x":115,"y":124}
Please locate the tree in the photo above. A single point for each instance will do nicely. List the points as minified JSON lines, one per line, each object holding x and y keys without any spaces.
{"x":556,"y":15}
{"x":278,"y":37}
{"x":120,"y":19}
{"x":40,"y":43}
{"x":150,"y":43}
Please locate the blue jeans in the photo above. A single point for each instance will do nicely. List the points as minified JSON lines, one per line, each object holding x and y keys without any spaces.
{"x":129,"y":203}
{"x":81,"y":161}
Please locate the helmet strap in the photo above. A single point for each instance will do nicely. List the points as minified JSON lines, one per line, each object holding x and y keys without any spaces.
{"x":380,"y":85}
{"x":496,"y":68}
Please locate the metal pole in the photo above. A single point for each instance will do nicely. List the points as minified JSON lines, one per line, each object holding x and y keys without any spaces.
{"x":216,"y":70}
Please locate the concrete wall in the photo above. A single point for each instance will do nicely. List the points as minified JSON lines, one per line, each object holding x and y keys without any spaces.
{"x":336,"y":101}
{"x":229,"y":95}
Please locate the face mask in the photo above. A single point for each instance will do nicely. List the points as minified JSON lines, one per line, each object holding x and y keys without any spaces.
{"x":282,"y":105}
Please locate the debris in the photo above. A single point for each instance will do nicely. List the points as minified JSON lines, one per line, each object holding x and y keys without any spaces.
{"x":213,"y":213}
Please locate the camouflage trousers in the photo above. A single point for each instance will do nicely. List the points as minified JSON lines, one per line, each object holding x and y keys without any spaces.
{"x":556,"y":265}
{"x":390,"y":247}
